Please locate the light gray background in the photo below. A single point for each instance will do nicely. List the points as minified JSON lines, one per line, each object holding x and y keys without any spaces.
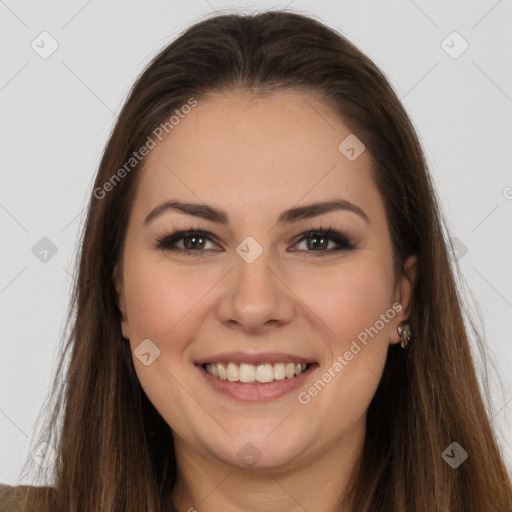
{"x":56,"y":114}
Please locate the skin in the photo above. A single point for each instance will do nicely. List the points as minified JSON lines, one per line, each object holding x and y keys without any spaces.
{"x":254,"y":158}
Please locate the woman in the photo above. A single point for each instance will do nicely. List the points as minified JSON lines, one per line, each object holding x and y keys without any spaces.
{"x":266,"y":314}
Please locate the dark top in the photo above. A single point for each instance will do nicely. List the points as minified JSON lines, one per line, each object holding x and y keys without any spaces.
{"x":39,"y":499}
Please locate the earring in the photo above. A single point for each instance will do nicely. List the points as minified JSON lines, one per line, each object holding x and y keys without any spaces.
{"x":405,"y":334}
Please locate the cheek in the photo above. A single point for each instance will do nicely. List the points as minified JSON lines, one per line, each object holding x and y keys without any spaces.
{"x":349,"y":300}
{"x":160,"y":298}
{"x":162,"y":304}
{"x":354,"y":311}
{"x":165,"y":301}
{"x":346,"y":383}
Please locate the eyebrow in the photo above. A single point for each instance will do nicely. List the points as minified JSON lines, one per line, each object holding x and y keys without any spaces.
{"x":288,"y":216}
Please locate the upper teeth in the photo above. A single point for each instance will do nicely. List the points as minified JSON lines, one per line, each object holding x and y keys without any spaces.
{"x":251,"y":373}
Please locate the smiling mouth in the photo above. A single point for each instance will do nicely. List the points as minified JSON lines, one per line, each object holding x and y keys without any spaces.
{"x":255,"y":374}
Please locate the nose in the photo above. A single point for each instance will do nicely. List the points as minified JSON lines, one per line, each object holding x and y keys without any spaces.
{"x":256,"y":298}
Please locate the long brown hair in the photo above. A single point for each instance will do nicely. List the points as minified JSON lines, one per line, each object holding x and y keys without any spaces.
{"x":114,"y":450}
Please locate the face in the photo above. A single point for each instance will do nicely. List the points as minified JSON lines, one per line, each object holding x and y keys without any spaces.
{"x":258,"y":343}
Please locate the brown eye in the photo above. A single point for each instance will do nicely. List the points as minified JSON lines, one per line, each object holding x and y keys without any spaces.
{"x":195,"y":241}
{"x":321,"y":240}
{"x":192,"y":241}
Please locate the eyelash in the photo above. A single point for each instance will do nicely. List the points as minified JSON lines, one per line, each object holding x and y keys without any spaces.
{"x":343,"y":241}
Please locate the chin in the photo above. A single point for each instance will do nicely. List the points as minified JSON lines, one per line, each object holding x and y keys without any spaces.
{"x":262,"y":451}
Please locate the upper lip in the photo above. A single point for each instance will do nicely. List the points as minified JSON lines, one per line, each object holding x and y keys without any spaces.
{"x":254,"y":359}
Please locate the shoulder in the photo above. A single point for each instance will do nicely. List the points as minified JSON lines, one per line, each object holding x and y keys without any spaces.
{"x":15,"y":498}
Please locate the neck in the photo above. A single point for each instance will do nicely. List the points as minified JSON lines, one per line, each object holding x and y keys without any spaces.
{"x":317,"y":482}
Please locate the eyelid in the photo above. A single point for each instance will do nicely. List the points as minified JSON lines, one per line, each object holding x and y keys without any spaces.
{"x":343,"y":240}
{"x":167,"y":241}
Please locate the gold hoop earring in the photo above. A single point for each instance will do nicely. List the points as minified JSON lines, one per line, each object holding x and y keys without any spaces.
{"x":405,"y":334}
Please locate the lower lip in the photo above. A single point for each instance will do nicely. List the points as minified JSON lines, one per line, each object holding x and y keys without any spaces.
{"x":257,"y":392}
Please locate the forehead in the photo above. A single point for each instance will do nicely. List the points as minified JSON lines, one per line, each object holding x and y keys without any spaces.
{"x":255,"y":155}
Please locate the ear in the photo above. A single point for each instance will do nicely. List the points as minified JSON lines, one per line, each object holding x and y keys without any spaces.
{"x":117,"y":276}
{"x":402,"y":295}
